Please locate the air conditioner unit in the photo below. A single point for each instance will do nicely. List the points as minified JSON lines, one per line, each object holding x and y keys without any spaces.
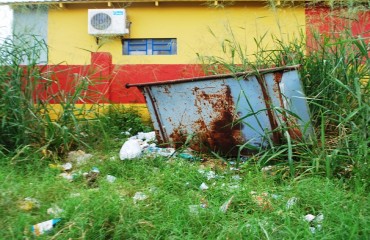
{"x":103,"y":22}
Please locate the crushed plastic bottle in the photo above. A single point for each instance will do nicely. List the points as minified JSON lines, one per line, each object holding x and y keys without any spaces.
{"x":43,"y":227}
{"x":165,"y":152}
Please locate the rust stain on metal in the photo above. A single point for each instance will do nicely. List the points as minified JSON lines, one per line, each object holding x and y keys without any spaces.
{"x":278,"y":76}
{"x":166,"y":89}
{"x":221,"y":135}
{"x":178,"y":137}
{"x":276,"y":136}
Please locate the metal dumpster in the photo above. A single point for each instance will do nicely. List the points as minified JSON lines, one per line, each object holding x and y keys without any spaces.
{"x":222,"y":112}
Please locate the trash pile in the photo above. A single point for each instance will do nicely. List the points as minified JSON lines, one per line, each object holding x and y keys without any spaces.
{"x":315,"y":222}
{"x":70,"y":171}
{"x":144,"y":144}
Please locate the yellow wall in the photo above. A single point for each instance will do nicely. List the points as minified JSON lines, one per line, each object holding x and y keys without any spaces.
{"x":190,"y":23}
{"x":91,"y":110}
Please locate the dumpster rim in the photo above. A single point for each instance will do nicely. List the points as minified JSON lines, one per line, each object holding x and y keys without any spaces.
{"x":214,"y":77}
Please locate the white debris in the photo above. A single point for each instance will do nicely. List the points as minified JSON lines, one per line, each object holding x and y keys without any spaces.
{"x":275,"y":196}
{"x":67,"y":166}
{"x":208,"y":174}
{"x":139,"y":196}
{"x":267,"y":168}
{"x":111,"y":178}
{"x":67,"y":176}
{"x":80,"y":157}
{"x":313,"y":230}
{"x":55,"y":211}
{"x":236,"y":177}
{"x":309,"y":217}
{"x":319,"y":227}
{"x":148,"y":137}
{"x":319,"y":218}
{"x":203,"y":186}
{"x":130,"y":149}
{"x":291,"y":202}
{"x":166,"y":152}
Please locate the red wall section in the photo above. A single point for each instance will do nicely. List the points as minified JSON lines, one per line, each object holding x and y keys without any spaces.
{"x":103,"y":82}
{"x":328,"y":21}
{"x":146,"y":73}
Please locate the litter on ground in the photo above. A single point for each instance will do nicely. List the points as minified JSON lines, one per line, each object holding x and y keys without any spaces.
{"x":28,"y":204}
{"x":79,"y":157}
{"x":139,"y":196}
{"x":54,"y":211}
{"x":111,"y":178}
{"x":203,"y":186}
{"x":291,"y":202}
{"x":43,"y":227}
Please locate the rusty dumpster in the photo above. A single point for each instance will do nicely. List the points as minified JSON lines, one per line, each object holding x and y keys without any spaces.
{"x":223,"y":112}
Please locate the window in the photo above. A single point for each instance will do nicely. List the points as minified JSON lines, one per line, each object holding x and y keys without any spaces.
{"x":155,"y":46}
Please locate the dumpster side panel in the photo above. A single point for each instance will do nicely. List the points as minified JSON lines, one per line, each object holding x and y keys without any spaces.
{"x":289,"y":103}
{"x":223,"y":113}
{"x":251,"y":110}
{"x":295,"y":101}
{"x":204,"y":111}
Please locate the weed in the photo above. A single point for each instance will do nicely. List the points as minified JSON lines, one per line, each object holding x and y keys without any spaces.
{"x":334,"y":72}
{"x":34,"y":115}
{"x":174,"y":206}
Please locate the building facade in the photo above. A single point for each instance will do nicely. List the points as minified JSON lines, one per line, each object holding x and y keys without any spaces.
{"x":165,"y":40}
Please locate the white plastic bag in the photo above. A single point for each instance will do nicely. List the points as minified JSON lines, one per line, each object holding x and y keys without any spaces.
{"x":130,"y":149}
{"x":148,"y":136}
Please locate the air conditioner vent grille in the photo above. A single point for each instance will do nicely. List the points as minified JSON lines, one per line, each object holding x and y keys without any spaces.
{"x":101,"y":21}
{"x":107,"y":22}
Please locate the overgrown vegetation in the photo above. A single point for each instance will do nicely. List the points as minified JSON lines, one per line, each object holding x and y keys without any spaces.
{"x":328,"y":176}
{"x":37,"y":118}
{"x":175,"y":207}
{"x":335,"y":68}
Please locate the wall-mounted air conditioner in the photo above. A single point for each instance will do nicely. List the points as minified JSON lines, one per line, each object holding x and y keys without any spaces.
{"x":103,"y":22}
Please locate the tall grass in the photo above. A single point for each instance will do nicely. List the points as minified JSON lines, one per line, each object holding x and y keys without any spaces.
{"x":38,"y":115}
{"x":335,"y":73}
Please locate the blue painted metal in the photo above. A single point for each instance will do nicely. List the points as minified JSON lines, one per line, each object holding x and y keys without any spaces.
{"x":222,"y":112}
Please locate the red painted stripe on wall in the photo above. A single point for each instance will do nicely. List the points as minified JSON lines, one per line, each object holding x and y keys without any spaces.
{"x":102,"y":82}
{"x":333,"y":22}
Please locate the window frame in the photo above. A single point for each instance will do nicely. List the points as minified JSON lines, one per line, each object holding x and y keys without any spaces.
{"x":149,"y":46}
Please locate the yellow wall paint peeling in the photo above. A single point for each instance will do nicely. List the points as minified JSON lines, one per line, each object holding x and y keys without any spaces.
{"x":191,"y":24}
